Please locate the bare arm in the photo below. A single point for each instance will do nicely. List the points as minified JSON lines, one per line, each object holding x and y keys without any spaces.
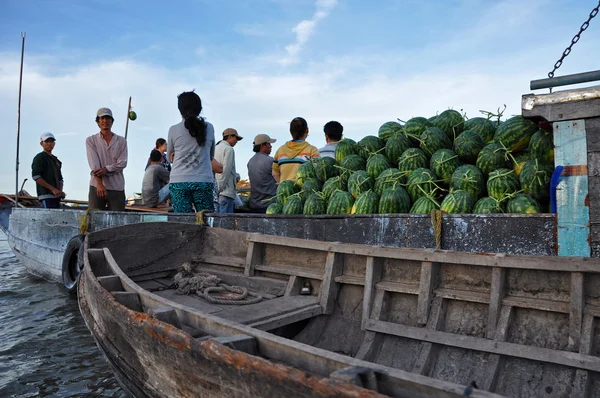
{"x":276,"y":175}
{"x":216,"y":166}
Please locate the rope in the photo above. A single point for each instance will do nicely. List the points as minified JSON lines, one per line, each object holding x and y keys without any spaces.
{"x":203,"y":284}
{"x":83,"y":227}
{"x":436,"y":221}
{"x":200,"y":217}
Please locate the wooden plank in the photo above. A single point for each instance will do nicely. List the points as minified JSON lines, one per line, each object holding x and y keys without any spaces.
{"x":288,"y":318}
{"x":357,"y":375}
{"x":463,"y":295}
{"x":395,"y":287}
{"x":565,"y":358}
{"x":285,"y":270}
{"x":350,"y":280}
{"x":267,"y":309}
{"x":562,"y":105}
{"x":254,"y":256}
{"x":221,"y":260}
{"x":581,"y":383}
{"x":544,"y":263}
{"x":334,"y":266}
{"x":495,"y":362}
{"x":537,"y":304}
{"x":239,"y":342}
{"x":429,"y":275}
{"x":428,"y":351}
{"x":496,"y":295}
{"x":371,"y":344}
{"x":112,"y":283}
{"x":130,"y":300}
{"x":576,"y":314}
{"x":292,"y":288}
{"x":373,"y":272}
{"x":165,"y":314}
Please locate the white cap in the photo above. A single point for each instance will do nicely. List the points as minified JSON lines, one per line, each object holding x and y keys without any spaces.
{"x":104,"y":112}
{"x":46,"y":136}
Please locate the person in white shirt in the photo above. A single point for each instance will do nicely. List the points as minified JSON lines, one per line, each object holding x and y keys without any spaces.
{"x":333,"y":134}
{"x":226,"y":180}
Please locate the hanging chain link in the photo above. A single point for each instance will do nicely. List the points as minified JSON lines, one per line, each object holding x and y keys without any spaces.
{"x":575,"y":40}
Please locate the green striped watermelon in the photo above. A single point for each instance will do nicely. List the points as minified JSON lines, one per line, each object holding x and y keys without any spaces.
{"x":432,"y":139}
{"x":285,"y":189}
{"x":360,"y":181}
{"x":304,"y":172}
{"x":388,"y":130}
{"x":345,"y":147}
{"x":310,"y":185}
{"x":395,"y":146}
{"x":443,"y":163}
{"x":293,"y":205}
{"x":489,"y":205}
{"x":451,"y":122}
{"x":275,"y":208}
{"x":467,"y":146}
{"x":519,"y":161}
{"x":388,"y":178}
{"x":457,"y":202}
{"x":424,"y":205}
{"x":332,"y":185}
{"x":326,"y":168}
{"x":502,"y":183}
{"x":482,"y":126}
{"x":541,"y":146}
{"x":394,"y":200}
{"x":414,"y":127}
{"x":515,"y":133}
{"x":314,"y":204}
{"x":366,"y":203}
{"x":523,"y":204}
{"x":493,"y":156}
{"x":354,"y":162}
{"x":468,"y":178}
{"x":412,"y":159}
{"x":340,"y":203}
{"x":421,"y":182}
{"x":376,"y":164}
{"x":535,"y":179}
{"x":369,"y":145}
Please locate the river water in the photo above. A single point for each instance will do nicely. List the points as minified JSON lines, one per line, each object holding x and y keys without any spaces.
{"x":45,"y":347}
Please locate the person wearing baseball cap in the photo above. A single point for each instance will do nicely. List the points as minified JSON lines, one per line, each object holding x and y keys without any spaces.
{"x":262,"y":184}
{"x":46,"y":172}
{"x":107,"y":157}
{"x":226,"y":181}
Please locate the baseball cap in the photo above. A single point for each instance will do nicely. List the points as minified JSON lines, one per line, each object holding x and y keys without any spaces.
{"x":263,"y":139}
{"x":104,"y":112}
{"x":230,"y":131}
{"x":47,"y":136}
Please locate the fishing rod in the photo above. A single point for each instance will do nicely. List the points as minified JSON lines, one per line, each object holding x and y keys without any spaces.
{"x":23,"y":34}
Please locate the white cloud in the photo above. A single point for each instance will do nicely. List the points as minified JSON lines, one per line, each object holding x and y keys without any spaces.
{"x":305,"y":29}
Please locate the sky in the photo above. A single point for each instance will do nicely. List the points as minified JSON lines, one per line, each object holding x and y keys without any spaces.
{"x":258,"y":64}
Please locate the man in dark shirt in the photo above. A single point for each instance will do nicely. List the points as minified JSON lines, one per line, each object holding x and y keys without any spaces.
{"x":155,"y":187}
{"x":46,"y":173}
{"x":262,"y":183}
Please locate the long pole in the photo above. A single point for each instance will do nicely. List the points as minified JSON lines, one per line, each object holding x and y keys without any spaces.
{"x":23,"y":34}
{"x":127,"y":118}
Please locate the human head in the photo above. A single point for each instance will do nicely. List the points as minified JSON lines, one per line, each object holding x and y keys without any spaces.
{"x":333,"y":130}
{"x":104,"y":112}
{"x":189,"y":104}
{"x":299,"y":128}
{"x":231,"y":136}
{"x":155,"y":156}
{"x":161,"y":145}
{"x":262,"y":143}
{"x":47,"y":141}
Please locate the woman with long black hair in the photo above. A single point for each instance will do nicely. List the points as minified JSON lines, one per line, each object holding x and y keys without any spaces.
{"x":192,"y":141}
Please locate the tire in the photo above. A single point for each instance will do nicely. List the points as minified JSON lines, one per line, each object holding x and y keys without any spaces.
{"x":72,"y":263}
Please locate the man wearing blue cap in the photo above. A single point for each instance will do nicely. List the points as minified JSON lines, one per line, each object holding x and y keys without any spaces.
{"x":47,"y":175}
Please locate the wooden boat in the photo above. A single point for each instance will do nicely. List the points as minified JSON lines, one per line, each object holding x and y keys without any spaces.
{"x":402,"y":322}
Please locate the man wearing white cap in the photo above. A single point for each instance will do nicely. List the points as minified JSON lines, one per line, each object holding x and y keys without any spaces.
{"x":107,"y":157}
{"x":47,"y":175}
{"x":226,"y":181}
{"x":262,"y":183}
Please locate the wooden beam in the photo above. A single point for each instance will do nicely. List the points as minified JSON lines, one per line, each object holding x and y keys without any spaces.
{"x":576,"y":314}
{"x":565,"y":358}
{"x":373,"y":272}
{"x":334,"y":266}
{"x":292,"y":288}
{"x":130,"y":300}
{"x":284,"y":270}
{"x":358,"y":376}
{"x":496,"y":295}
{"x":495,"y":361}
{"x":288,"y":318}
{"x":112,"y":283}
{"x":429,"y":275}
{"x":372,"y":341}
{"x":581,"y":384}
{"x":165,"y":314}
{"x":254,"y":256}
{"x":428,"y":351}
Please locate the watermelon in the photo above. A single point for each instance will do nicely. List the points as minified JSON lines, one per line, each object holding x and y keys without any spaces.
{"x":132,"y":115}
{"x":433,"y":139}
{"x":414,"y":127}
{"x":395,"y":146}
{"x":353,"y":163}
{"x":305,"y":171}
{"x":515,"y":133}
{"x":493,"y":156}
{"x":523,"y":204}
{"x":482,"y":126}
{"x":502,"y":183}
{"x":420,"y":183}
{"x":275,"y":208}
{"x":366,"y":203}
{"x":412,"y":159}
{"x":388,"y":130}
{"x":340,"y":203}
{"x":376,"y":164}
{"x":457,"y":202}
{"x":489,"y":205}
{"x":467,"y":146}
{"x":394,"y":200}
{"x":450,"y":122}
{"x":360,"y":181}
{"x":369,"y":145}
{"x":468,"y":178}
{"x":285,"y":189}
{"x":293,"y":205}
{"x":345,"y":147}
{"x":424,"y":205}
{"x":443,"y":163}
{"x":519,"y":161}
{"x":325,"y":168}
{"x":388,"y":178}
{"x":332,"y":185}
{"x":541,"y":146}
{"x":310,"y":185}
{"x":314,"y":204}
{"x":535,"y":179}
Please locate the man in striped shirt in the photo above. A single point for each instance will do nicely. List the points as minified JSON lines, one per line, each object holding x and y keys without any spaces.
{"x":333,"y":134}
{"x":107,"y":157}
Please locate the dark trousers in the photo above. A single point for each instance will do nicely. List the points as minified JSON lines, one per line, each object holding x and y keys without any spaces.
{"x":114,"y":200}
{"x":52,"y":203}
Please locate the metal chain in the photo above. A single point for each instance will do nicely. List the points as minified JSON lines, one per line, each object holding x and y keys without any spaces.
{"x":575,"y":40}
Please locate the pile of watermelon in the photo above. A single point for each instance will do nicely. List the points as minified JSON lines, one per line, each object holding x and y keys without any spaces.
{"x":445,"y":162}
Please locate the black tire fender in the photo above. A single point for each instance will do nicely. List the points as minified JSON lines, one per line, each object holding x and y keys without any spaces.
{"x":72,"y":263}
